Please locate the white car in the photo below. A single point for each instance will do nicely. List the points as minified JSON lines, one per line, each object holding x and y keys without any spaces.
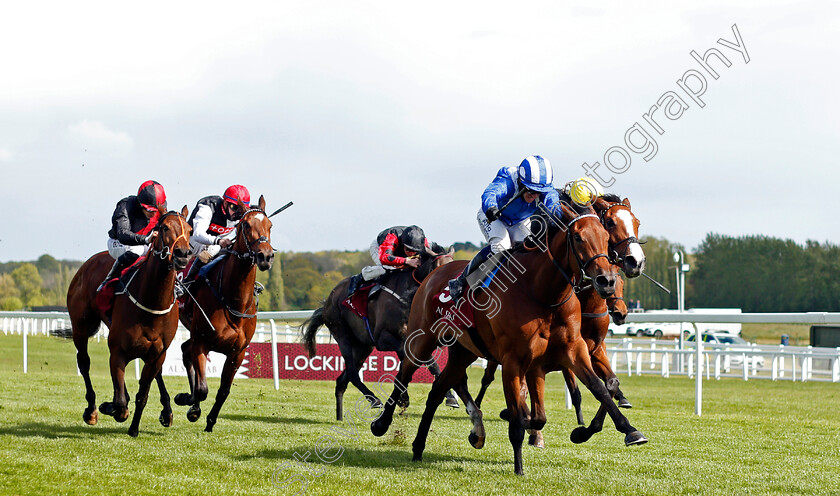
{"x":733,"y":343}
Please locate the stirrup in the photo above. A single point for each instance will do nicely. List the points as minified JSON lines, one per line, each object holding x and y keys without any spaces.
{"x":456,"y":286}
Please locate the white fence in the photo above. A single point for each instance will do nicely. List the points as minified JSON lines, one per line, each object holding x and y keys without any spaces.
{"x":627,"y":356}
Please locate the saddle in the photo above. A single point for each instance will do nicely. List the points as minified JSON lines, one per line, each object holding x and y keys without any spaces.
{"x":105,"y":297}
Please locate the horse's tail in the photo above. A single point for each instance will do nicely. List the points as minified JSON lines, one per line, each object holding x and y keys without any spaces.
{"x":65,"y":333}
{"x":309,"y":328}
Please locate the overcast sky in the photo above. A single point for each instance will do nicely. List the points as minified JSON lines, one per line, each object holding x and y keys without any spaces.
{"x":372,"y":114}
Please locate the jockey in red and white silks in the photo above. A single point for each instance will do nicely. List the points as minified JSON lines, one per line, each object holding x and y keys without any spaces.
{"x":214,"y":220}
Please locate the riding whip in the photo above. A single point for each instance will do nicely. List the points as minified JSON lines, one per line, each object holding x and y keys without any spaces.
{"x":284,"y":207}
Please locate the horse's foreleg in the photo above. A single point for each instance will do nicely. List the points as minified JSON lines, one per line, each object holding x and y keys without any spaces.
{"x":517,"y":411}
{"x":118,"y":408}
{"x":418,"y":351}
{"x":228,"y":372}
{"x":583,"y":369}
{"x":199,"y":392}
{"x":454,"y":373}
{"x":602,"y":367}
{"x":165,"y":417}
{"x":536,"y":384}
{"x":151,"y":369}
{"x":184,"y":399}
{"x":451,"y":400}
{"x":90,"y":415}
{"x":574,"y":392}
{"x":486,"y":380}
{"x":354,"y":358}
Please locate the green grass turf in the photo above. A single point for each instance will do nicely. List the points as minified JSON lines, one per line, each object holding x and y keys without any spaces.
{"x":755,"y":437}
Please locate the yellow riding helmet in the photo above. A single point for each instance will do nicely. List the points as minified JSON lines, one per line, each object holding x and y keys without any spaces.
{"x":585,"y":190}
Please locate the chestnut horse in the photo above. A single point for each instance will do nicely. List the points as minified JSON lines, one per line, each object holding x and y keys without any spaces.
{"x":623,"y":228}
{"x":145,"y":318}
{"x":223,"y":315}
{"x":513,"y":325}
{"x":596,"y":313}
{"x":387,"y":317}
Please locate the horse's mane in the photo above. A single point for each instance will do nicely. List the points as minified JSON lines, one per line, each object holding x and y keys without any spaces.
{"x":611,"y":197}
{"x":578,"y":209}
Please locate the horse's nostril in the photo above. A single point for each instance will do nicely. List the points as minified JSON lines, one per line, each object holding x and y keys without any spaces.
{"x":631,"y":262}
{"x":604,"y":281}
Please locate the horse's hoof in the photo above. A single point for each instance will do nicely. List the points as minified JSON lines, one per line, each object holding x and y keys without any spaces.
{"x":452,"y":402}
{"x":581,"y":435}
{"x":417,"y":458}
{"x":374,"y":402}
{"x":210,"y":423}
{"x":166,"y":419}
{"x":536,"y":440}
{"x":476,"y":441}
{"x":635,"y":437}
{"x":378,"y":428}
{"x":623,"y":403}
{"x":404,"y":401}
{"x":183,"y":399}
{"x":123,"y":417}
{"x":133,"y":431}
{"x":194,"y":413}
{"x":504,"y":415}
{"x":91,"y":418}
{"x":107,"y":408}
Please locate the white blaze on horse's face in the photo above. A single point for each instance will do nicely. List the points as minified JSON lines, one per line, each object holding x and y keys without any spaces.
{"x":259,"y":216}
{"x":634,"y":249}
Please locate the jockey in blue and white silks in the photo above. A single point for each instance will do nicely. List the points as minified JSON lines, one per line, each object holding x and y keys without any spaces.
{"x":507,"y":205}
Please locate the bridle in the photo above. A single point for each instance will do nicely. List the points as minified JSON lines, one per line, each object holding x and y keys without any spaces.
{"x":579,"y":286}
{"x":431,"y":260}
{"x":615,"y":259}
{"x":167,"y":253}
{"x":250,"y":254}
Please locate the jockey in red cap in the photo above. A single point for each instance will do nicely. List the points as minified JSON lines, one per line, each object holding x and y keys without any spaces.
{"x":213,"y":221}
{"x":132,"y":224}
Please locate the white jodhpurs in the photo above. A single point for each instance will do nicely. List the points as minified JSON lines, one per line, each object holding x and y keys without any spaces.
{"x":115,"y":248}
{"x":501,"y":236}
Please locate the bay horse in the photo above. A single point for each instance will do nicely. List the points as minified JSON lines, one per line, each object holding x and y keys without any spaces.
{"x":387,"y":318}
{"x":623,"y":228}
{"x":145,"y":318}
{"x":223,"y":314}
{"x":513,"y":327}
{"x":596,"y":313}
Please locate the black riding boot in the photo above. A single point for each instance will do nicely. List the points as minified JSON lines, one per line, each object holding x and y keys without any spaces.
{"x":123,"y":261}
{"x":354,"y":284}
{"x":459,"y":284}
{"x":194,"y":268}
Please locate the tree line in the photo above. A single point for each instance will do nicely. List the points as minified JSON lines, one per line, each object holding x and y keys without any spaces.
{"x":754,"y":273}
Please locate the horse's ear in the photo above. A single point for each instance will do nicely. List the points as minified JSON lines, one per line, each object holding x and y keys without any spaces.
{"x":241,"y":204}
{"x":600,"y":204}
{"x":626,"y":201}
{"x":451,"y":251}
{"x":161,"y":207}
{"x":568,"y":212}
{"x":184,"y":211}
{"x":262,"y":203}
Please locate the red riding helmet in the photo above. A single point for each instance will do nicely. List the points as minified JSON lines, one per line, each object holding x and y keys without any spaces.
{"x":237,"y":191}
{"x":150,"y":195}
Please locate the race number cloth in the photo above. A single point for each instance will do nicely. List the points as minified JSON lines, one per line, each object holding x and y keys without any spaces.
{"x":457,"y":314}
{"x":358,"y":301}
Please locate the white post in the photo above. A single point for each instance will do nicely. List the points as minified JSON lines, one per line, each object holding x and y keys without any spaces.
{"x":568,"y":398}
{"x":698,"y":390}
{"x":25,"y":350}
{"x":137,"y":368}
{"x":274,"y":365}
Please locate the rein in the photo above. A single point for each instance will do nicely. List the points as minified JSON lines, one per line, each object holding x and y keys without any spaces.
{"x":167,"y":254}
{"x":615,"y":259}
{"x":249,"y":255}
